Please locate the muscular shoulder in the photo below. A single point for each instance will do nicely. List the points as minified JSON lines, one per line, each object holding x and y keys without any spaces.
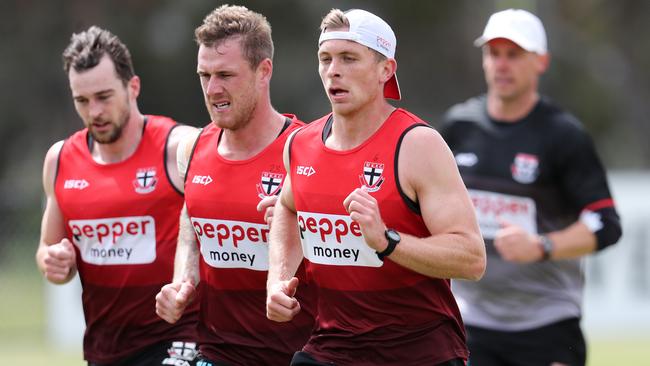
{"x":422,"y":139}
{"x":182,"y":133}
{"x":424,"y":157}
{"x":186,"y":143}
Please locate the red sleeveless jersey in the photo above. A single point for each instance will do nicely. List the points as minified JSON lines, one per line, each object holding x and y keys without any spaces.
{"x":221,"y":197}
{"x":369,"y":312}
{"x":123,"y":221}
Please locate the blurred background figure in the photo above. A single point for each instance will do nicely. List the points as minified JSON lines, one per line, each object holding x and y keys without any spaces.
{"x":542,"y":200}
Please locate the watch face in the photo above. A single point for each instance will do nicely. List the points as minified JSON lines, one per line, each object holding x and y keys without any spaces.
{"x":393,"y":235}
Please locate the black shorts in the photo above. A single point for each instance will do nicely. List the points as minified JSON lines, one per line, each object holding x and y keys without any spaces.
{"x":560,"y":343}
{"x":305,"y":359}
{"x":172,"y":353}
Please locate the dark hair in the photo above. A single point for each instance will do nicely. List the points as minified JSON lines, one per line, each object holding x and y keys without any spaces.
{"x":87,"y":48}
{"x":238,"y":21}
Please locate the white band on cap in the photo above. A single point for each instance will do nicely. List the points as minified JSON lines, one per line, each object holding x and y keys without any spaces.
{"x":360,"y":38}
{"x":349,"y":36}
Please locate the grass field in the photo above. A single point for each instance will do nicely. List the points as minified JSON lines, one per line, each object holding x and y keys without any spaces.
{"x":22,"y":326}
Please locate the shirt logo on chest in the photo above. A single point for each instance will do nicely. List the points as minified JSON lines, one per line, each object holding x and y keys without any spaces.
{"x":305,"y":170}
{"x":270,"y":184}
{"x":145,"y":180}
{"x":372,"y":177}
{"x":525,"y":168}
{"x":79,"y":184}
{"x":202,"y":179}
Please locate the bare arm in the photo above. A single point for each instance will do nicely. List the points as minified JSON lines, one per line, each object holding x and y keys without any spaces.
{"x":285,"y":255}
{"x":574,"y":241}
{"x":186,"y":261}
{"x":174,"y":297}
{"x":515,"y":244}
{"x":55,"y":256}
{"x":285,"y":251}
{"x":428,"y":174}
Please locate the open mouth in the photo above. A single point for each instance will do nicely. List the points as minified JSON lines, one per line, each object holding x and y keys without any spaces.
{"x":221,"y":105}
{"x":100,"y":124}
{"x":337,"y":92}
{"x":503,"y":80}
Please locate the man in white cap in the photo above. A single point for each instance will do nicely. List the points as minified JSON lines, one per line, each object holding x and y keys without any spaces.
{"x":541,"y":198}
{"x":383,"y":227}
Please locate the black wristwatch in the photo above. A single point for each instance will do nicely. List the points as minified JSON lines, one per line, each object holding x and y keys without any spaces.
{"x":393,"y":239}
{"x":547,"y":247}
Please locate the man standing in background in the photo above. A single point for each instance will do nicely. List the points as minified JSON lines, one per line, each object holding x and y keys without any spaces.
{"x":541,"y":198}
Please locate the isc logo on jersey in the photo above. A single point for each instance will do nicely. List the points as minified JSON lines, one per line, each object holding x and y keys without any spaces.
{"x":118,"y":240}
{"x":334,"y":240}
{"x":79,"y":184}
{"x":491,"y":206}
{"x":233,"y":244}
{"x":305,"y":170}
{"x":202,"y":179}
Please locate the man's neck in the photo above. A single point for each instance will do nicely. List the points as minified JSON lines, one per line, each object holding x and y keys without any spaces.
{"x":351,"y":130}
{"x":248,"y":141}
{"x":125,"y":145}
{"x":511,"y":110}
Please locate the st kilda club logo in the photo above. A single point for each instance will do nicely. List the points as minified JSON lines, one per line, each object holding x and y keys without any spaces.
{"x":145,"y":180}
{"x":525,"y":168}
{"x":372,"y":177}
{"x":270,"y":184}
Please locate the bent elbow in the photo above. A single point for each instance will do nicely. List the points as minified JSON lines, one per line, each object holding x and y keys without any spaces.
{"x":476,"y":269}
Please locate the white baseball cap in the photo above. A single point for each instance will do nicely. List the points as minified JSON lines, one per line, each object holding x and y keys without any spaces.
{"x":373,"y":32}
{"x":518,"y":26}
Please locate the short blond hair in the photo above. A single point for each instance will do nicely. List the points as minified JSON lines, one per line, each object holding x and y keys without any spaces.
{"x":335,"y":19}
{"x":229,"y":21}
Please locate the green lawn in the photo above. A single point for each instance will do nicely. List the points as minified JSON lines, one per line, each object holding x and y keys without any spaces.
{"x":22,"y":326}
{"x":620,"y":352}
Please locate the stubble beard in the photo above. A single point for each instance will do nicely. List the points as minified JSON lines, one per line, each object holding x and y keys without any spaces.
{"x":117,"y":130}
{"x":240,"y":118}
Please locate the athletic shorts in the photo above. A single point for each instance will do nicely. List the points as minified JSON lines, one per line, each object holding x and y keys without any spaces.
{"x":556,"y":344}
{"x":172,"y":353}
{"x":305,"y":359}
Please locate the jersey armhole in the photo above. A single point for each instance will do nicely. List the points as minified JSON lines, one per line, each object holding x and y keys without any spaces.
{"x":58,"y":163}
{"x":287,"y":123}
{"x":411,"y":204}
{"x":327,"y":128}
{"x":169,"y":178}
{"x":289,"y":144}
